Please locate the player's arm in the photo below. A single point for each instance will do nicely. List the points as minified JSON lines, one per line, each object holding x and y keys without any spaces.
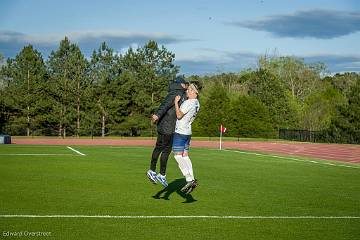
{"x":164,"y":106}
{"x":179,"y":113}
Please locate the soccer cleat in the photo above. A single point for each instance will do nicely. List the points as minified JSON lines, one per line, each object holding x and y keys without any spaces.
{"x":152,"y":176}
{"x":189,"y":187}
{"x":186,"y":187}
{"x":162,"y":180}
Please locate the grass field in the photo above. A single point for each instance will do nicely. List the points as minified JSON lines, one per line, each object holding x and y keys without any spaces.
{"x":272,"y":198}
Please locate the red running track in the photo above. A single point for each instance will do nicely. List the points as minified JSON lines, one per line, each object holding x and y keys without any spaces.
{"x":339,"y":152}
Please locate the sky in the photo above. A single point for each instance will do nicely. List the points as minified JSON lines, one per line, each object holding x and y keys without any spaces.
{"x":207,"y":37}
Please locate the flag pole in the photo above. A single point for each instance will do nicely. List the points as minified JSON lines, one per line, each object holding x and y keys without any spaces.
{"x":220,"y":135}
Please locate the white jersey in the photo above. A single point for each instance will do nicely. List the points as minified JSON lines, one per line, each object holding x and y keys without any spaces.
{"x":190,"y":108}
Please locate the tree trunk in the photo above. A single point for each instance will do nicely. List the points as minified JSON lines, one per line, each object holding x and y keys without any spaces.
{"x":65,"y":98}
{"x":78,"y":111}
{"x":28,"y":107}
{"x":28,"y":122}
{"x":64,"y":124}
{"x":292,"y":85}
{"x":78,"y":120}
{"x":60,"y":125}
{"x":60,"y":130}
{"x":103,"y":126}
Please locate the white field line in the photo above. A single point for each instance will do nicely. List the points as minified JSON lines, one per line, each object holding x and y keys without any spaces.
{"x":35,"y":154}
{"x":34,"y":146}
{"x":187,"y":217}
{"x":76,"y":151}
{"x":127,"y":147}
{"x":292,"y":158}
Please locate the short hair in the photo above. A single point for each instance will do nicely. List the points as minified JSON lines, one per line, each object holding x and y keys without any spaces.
{"x":180,"y":79}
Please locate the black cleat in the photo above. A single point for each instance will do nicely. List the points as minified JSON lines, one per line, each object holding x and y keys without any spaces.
{"x":186,"y":187}
{"x":189,"y":187}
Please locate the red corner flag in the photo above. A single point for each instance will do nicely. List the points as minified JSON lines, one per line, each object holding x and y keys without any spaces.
{"x":222,"y":130}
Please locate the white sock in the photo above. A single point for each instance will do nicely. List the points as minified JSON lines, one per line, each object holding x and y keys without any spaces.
{"x":189,"y":167}
{"x":183,"y":167}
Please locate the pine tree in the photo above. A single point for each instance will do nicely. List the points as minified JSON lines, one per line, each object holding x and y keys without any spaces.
{"x":214,"y":110}
{"x":82,"y":84}
{"x":66,"y":68}
{"x":104,"y":73}
{"x":152,"y":68}
{"x":26,"y":76}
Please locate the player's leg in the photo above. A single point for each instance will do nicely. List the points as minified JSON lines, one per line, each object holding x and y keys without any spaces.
{"x":181,"y":148}
{"x":160,"y":146}
{"x":156,"y":152}
{"x":191,"y":181}
{"x":178,"y":149}
{"x":187,"y":158}
{"x":167,"y":144}
{"x":151,"y":173}
{"x":192,"y":184}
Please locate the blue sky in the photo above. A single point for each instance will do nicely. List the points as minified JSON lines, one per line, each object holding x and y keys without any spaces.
{"x":207,"y":37}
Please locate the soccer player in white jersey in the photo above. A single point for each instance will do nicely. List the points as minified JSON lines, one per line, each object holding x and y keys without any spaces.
{"x":185,"y":115}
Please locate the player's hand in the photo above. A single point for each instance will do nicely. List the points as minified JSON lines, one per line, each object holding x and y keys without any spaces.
{"x":177,"y":99}
{"x":154,"y":118}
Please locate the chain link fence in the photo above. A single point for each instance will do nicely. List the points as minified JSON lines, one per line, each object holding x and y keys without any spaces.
{"x":325,"y":136}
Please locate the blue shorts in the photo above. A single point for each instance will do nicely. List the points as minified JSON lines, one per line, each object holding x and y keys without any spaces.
{"x":181,"y":143}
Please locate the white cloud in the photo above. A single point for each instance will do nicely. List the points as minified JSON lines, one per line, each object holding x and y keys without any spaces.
{"x":237,"y":61}
{"x":12,"y":42}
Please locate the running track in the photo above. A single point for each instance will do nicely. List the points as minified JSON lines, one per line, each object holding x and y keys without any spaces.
{"x":339,"y":152}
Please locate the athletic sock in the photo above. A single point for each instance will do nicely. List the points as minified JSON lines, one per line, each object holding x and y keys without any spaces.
{"x":183,"y":167}
{"x":189,"y":167}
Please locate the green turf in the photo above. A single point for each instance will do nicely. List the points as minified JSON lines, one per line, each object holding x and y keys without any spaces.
{"x":112,"y":181}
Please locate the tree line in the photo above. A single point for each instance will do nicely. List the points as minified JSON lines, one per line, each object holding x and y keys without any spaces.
{"x":282,"y":93}
{"x":114,"y":94}
{"x":69,"y":94}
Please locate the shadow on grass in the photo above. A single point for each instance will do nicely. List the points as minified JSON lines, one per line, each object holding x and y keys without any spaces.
{"x":175,"y":186}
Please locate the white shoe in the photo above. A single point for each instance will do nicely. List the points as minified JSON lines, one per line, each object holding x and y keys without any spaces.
{"x":162,"y":180}
{"x":152,"y":176}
